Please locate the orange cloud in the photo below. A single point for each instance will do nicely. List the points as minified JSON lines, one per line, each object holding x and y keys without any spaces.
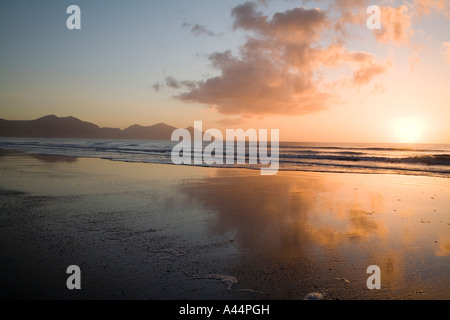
{"x":276,"y":70}
{"x":352,"y":12}
{"x":379,"y":88}
{"x":396,"y":25}
{"x":426,"y":7}
{"x":366,"y":74}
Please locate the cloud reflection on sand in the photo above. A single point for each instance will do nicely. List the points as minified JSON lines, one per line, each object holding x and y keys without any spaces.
{"x":281,"y":216}
{"x":332,"y":226}
{"x":281,"y":236}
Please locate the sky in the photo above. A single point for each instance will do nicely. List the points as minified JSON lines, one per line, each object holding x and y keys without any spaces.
{"x":312,"y":69}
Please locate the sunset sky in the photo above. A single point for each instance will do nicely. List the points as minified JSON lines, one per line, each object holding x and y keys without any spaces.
{"x":309,"y":68}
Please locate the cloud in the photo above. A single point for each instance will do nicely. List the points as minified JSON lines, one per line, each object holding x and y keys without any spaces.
{"x":426,"y":7}
{"x":173,"y":83}
{"x":230,"y":121}
{"x":379,"y":88}
{"x":297,"y":24}
{"x":396,"y":25}
{"x":156,"y":87}
{"x":351,"y":12}
{"x":198,"y":30}
{"x":397,"y":22}
{"x":279,"y":69}
{"x":365,"y":74}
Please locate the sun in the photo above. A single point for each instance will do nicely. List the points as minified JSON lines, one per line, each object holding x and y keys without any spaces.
{"x":408,"y":129}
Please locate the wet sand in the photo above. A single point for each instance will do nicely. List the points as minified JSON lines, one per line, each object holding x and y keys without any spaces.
{"x":147,"y":231}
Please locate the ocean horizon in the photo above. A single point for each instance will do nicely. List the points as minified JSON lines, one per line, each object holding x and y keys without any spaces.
{"x":368,"y":158}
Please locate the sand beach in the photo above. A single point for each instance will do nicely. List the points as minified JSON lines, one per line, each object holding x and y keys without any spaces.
{"x":150,"y":231}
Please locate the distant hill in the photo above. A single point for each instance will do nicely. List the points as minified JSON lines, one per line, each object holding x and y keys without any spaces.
{"x":69,"y":127}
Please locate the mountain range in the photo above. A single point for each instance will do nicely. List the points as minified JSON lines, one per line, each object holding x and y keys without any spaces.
{"x":52,"y":126}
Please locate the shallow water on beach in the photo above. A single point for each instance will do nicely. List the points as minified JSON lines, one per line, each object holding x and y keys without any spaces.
{"x":386,"y":158}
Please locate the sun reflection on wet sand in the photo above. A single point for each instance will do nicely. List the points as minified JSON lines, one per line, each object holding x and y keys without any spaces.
{"x":308,"y":222}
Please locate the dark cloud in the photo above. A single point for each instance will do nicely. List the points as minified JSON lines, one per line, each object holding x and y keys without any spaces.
{"x":173,"y":83}
{"x":198,"y":30}
{"x":156,"y":87}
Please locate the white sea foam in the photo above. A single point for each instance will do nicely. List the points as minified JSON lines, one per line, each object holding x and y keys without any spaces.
{"x":419,"y":159}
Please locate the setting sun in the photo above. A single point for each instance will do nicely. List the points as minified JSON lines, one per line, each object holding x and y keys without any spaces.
{"x":408,"y":129}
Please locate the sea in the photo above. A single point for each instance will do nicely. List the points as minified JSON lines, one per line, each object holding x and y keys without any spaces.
{"x":365,"y":158}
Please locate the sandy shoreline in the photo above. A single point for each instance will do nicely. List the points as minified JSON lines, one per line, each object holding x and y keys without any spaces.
{"x":148,"y":231}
